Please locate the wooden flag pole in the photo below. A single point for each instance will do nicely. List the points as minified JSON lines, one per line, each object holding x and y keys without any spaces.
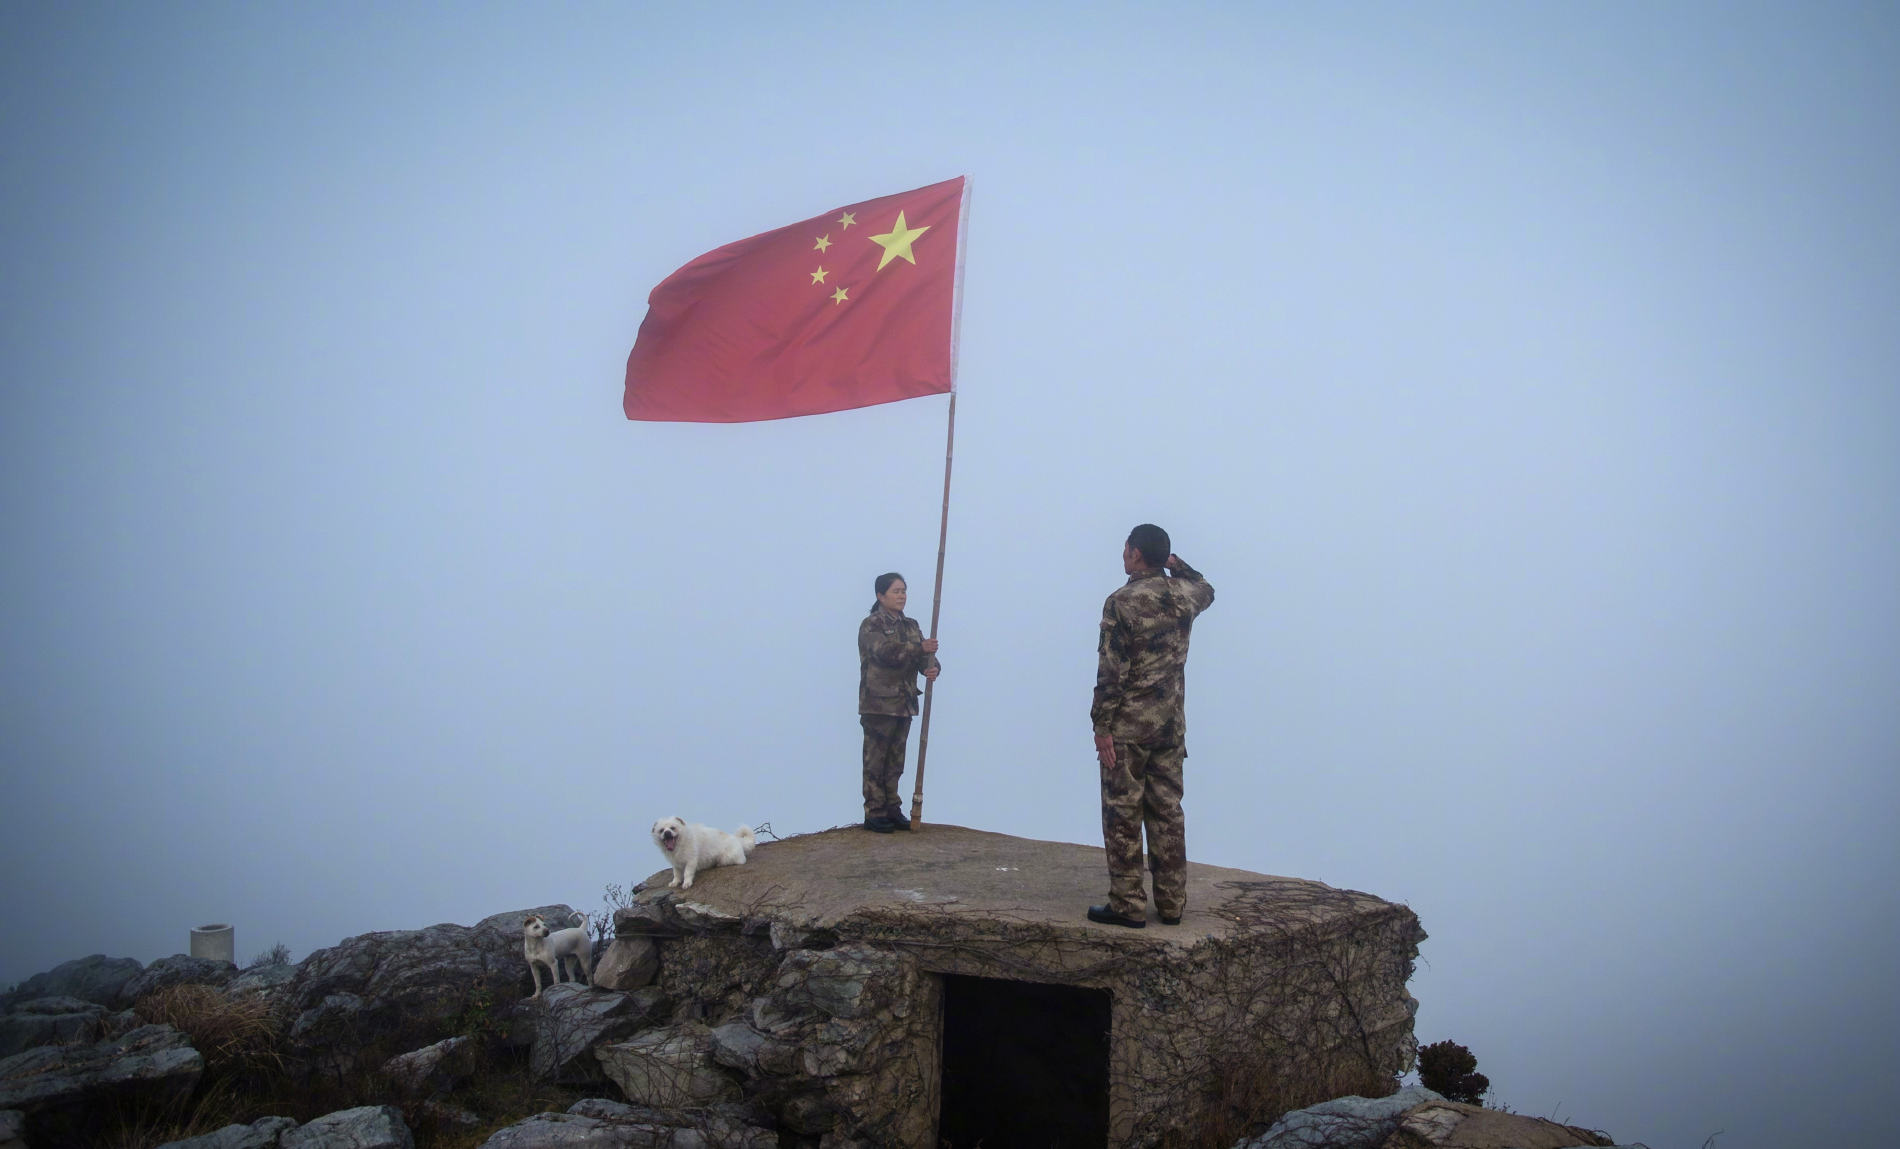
{"x":936,"y":604}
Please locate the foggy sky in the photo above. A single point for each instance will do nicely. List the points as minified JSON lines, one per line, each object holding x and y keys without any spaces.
{"x":1524,"y":379}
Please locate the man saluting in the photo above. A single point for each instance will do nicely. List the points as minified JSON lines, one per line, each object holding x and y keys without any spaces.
{"x":1140,"y":727}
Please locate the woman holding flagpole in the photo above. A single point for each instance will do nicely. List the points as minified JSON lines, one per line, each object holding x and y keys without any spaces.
{"x":892,"y":652}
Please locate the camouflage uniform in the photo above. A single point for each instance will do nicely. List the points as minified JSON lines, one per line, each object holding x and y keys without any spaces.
{"x":890,"y":656}
{"x":1140,"y":691}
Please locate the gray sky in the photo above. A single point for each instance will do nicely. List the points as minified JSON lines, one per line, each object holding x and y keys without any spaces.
{"x":1524,"y":378}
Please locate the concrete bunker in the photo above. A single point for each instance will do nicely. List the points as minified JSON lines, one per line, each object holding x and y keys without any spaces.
{"x":902,"y":990}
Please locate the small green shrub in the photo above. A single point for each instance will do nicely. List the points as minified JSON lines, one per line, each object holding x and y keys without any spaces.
{"x":1447,"y":1068}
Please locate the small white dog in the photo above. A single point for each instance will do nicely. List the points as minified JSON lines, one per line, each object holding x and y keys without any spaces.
{"x":690,"y":847}
{"x":551,"y":948}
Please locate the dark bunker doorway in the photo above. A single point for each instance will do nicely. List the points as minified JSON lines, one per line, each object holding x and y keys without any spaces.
{"x":1025,"y":1065}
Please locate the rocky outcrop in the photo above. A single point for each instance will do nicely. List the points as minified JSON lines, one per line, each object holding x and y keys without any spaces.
{"x":370,"y":1127}
{"x":627,"y":964}
{"x":570,"y":1020}
{"x":98,"y":979}
{"x":375,"y":985}
{"x":50,"y":1021}
{"x":668,"y":1068}
{"x":601,"y":1124}
{"x":12,"y":1129}
{"x":266,"y":980}
{"x":154,"y":1063}
{"x":266,"y":1133}
{"x":1454,"y":1125}
{"x":433,"y":1068}
{"x":178,"y":969}
{"x":1343,"y":1123}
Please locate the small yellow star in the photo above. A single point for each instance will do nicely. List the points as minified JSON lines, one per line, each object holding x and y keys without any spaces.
{"x":897,"y":242}
{"x":824,"y":241}
{"x":839,"y":296}
{"x":819,"y":275}
{"x":848,"y":219}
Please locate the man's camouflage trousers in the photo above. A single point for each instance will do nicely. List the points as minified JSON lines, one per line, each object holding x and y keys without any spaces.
{"x":885,"y":736}
{"x":1144,"y":790}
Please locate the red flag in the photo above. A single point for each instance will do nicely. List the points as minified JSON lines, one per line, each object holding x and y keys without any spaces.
{"x":848,"y":309}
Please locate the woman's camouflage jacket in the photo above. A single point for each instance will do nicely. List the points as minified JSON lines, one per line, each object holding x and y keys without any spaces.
{"x":890,"y":656}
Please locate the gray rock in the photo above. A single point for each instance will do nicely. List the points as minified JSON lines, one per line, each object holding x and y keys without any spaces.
{"x":266,"y":1133}
{"x":367,"y":986}
{"x":263,"y":979}
{"x":669,"y":1068}
{"x":1344,"y":1123}
{"x":569,"y":1021}
{"x":370,"y":1127}
{"x":628,"y":963}
{"x":49,"y":1021}
{"x":433,"y":1068}
{"x":727,"y":1125}
{"x":833,"y":980}
{"x":154,"y":1062}
{"x":12,"y":1129}
{"x":97,"y":979}
{"x":702,"y":918}
{"x":737,"y":1045}
{"x":178,"y":969}
{"x":644,"y":919}
{"x":600,"y":1124}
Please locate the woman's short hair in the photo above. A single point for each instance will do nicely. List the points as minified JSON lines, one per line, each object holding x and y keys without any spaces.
{"x":883,"y":584}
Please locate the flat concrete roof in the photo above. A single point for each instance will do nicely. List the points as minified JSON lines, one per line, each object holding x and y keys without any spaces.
{"x":820,"y":880}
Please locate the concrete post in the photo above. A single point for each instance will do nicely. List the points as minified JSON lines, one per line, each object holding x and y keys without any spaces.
{"x":216,"y":942}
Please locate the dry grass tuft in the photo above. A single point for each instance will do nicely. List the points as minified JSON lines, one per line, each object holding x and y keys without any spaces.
{"x":231,"y":1035}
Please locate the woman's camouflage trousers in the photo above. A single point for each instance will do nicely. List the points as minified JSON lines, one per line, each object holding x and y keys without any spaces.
{"x":885,"y":736}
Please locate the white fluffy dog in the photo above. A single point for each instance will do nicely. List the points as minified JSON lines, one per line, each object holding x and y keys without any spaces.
{"x":551,"y":948}
{"x":690,"y":847}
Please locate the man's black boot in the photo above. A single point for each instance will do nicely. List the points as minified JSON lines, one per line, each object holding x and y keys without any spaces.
{"x":879,"y":825}
{"x":1109,"y":917}
{"x":895,"y":816}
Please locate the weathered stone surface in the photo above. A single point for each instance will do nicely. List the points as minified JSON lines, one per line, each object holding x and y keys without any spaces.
{"x":644,"y":919}
{"x":49,"y":1021}
{"x":668,"y":1068}
{"x":154,"y":1062}
{"x":721,"y":972}
{"x":266,"y":1133}
{"x":600,"y":1124}
{"x":433,"y":1068}
{"x":628,"y":963}
{"x":12,"y":1129}
{"x":370,"y":1127}
{"x":371,"y":985}
{"x":570,"y":1020}
{"x":1343,"y":1123}
{"x":178,"y":969}
{"x":263,"y":979}
{"x":98,"y":979}
{"x":1454,"y":1125}
{"x":702,"y":918}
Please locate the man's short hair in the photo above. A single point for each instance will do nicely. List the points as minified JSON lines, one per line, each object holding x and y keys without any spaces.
{"x":1152,"y":542}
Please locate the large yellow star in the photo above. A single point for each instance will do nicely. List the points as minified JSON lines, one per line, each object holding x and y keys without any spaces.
{"x":897,"y":242}
{"x":819,"y":275}
{"x":824,"y":241}
{"x":847,"y":219}
{"x":839,"y":296}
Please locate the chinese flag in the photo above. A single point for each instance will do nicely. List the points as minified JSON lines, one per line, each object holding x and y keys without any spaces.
{"x":847,"y":309}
